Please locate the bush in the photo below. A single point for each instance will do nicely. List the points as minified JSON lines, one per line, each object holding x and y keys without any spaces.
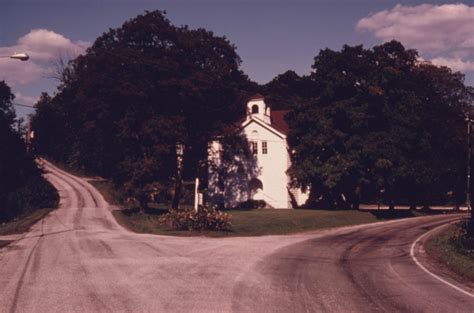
{"x":463,"y":239}
{"x":252,"y":204}
{"x":206,"y":218}
{"x":37,"y":193}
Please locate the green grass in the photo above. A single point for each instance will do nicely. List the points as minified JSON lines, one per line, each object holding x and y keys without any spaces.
{"x":254,"y":222}
{"x":23,"y":222}
{"x":443,"y":249}
{"x":107,"y":190}
{"x":246,"y":222}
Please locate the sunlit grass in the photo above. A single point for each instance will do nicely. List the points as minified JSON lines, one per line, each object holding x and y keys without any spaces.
{"x":23,"y":222}
{"x":457,"y":258}
{"x":246,"y":222}
{"x":252,"y":223}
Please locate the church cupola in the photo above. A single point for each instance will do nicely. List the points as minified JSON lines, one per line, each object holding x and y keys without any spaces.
{"x":256,"y":107}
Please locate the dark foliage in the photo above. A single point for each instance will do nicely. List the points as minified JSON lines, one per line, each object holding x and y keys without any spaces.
{"x":251,"y":205}
{"x":287,"y":90}
{"x":22,"y":188}
{"x":137,"y":92}
{"x":382,"y":127}
{"x":206,"y":218}
{"x":463,"y":238}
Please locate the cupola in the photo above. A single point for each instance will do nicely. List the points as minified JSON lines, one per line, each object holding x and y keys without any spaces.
{"x":257,"y":108}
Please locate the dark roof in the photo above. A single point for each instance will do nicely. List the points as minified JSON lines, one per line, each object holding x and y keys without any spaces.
{"x":256,"y":96}
{"x":278,"y":121}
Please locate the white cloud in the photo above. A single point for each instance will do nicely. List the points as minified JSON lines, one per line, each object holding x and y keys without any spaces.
{"x":443,"y":32}
{"x":455,"y":64}
{"x":43,"y":46}
{"x":16,"y":72}
{"x":26,"y":100}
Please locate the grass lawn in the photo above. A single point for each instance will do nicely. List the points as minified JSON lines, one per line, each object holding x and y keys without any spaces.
{"x":257,"y":222}
{"x":21,"y":224}
{"x":247,"y":222}
{"x":108,"y":192}
{"x":444,"y":250}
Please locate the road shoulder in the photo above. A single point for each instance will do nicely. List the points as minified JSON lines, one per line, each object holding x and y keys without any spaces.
{"x":429,"y":258}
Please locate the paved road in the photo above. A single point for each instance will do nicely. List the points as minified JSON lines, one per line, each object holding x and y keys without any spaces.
{"x":78,"y":259}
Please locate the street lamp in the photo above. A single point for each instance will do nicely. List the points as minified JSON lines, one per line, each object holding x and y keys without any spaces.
{"x":17,"y":56}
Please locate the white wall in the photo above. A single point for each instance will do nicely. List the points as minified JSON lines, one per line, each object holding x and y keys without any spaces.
{"x":238,"y":170}
{"x":269,"y":168}
{"x":272,"y":166}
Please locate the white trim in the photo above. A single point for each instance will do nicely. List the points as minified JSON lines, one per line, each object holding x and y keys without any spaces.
{"x":263,"y":124}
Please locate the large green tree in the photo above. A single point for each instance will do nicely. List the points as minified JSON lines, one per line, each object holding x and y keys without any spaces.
{"x":138,"y":91}
{"x":22,"y":188}
{"x":381,"y":125}
{"x":286,"y":90}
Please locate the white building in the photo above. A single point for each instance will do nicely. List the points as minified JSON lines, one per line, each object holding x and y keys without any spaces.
{"x":236,"y":175}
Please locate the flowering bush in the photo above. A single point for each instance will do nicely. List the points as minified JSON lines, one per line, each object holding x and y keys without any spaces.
{"x":206,"y":218}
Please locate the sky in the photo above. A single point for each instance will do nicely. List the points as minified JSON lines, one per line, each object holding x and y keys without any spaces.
{"x":271,"y":36}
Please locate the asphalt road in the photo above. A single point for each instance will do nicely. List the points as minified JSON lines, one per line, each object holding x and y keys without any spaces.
{"x":78,"y":259}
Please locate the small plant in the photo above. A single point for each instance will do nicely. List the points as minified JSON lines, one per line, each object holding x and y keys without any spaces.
{"x":463,"y":239}
{"x":206,"y":218}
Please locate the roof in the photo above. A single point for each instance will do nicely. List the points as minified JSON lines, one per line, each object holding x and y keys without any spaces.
{"x":277,"y":118}
{"x":278,"y":121}
{"x":264,"y":125}
{"x":256,"y":96}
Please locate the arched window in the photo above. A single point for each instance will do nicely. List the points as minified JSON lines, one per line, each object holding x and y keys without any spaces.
{"x":255,"y":189}
{"x":255,"y":109}
{"x":255,"y":184}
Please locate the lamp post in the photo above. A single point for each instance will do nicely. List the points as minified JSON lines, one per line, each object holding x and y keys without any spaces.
{"x":17,"y":56}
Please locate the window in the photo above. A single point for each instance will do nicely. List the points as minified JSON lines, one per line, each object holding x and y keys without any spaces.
{"x":254,"y":109}
{"x":264,"y":147}
{"x":254,"y":147}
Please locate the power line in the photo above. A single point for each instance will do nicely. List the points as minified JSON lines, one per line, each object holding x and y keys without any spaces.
{"x":24,"y":105}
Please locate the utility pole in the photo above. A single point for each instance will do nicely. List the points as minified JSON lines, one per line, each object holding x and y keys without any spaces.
{"x":178,"y":175}
{"x":468,"y":183}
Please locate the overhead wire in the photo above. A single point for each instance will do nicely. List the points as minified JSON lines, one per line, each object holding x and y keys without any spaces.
{"x":24,"y":105}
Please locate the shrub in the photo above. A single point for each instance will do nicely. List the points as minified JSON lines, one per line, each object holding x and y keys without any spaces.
{"x":206,"y":218}
{"x":252,"y":204}
{"x":463,"y":239}
{"x":37,"y":193}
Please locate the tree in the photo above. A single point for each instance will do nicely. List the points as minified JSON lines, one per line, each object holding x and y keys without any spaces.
{"x":22,"y":188}
{"x":375,"y":129}
{"x":141,"y":89}
{"x":286,"y":90}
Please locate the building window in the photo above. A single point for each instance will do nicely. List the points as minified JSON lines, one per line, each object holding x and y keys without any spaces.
{"x":264,"y":147}
{"x":254,"y":147}
{"x":255,"y":109}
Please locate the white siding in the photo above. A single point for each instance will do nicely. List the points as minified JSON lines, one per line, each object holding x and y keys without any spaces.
{"x":229,"y":180}
{"x":272,"y":166}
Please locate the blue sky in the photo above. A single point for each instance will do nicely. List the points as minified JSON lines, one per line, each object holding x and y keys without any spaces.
{"x":271,"y":36}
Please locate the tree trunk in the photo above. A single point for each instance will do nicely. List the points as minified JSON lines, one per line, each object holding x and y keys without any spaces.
{"x":178,"y":176}
{"x":143,"y":203}
{"x":177,"y":193}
